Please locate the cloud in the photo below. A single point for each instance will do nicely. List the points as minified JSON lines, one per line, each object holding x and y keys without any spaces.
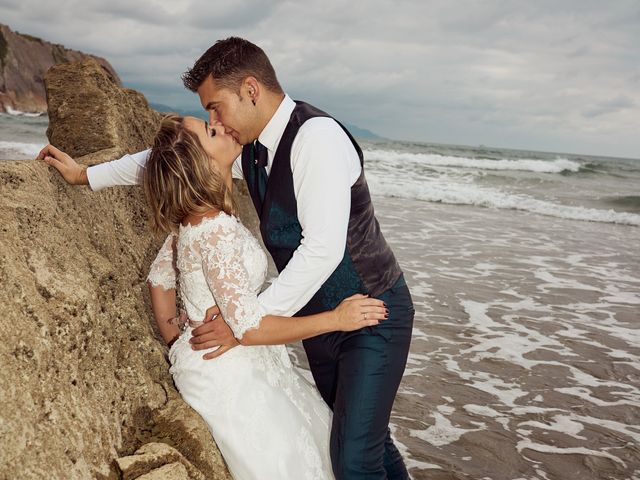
{"x":541,"y":75}
{"x":228,"y":14}
{"x":612,"y":105}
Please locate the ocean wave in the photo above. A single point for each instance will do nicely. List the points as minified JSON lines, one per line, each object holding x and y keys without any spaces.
{"x":442,"y":191}
{"x":19,"y":113}
{"x":628,"y":201}
{"x":558,"y":165}
{"x":13,"y":149}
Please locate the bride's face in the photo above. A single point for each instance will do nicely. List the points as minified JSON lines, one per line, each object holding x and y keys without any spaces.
{"x":221,"y":147}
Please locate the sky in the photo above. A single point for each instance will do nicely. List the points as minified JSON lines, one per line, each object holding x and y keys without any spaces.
{"x":561,"y":76}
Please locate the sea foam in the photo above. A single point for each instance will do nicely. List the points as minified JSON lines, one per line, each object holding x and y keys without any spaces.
{"x":529,"y":165}
{"x":18,"y":113}
{"x":452,"y":191}
{"x":13,"y":149}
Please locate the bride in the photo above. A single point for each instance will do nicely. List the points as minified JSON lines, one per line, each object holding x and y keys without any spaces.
{"x":268,"y":421}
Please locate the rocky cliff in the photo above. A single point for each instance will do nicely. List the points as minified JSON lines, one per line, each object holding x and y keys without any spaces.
{"x":84,"y":384}
{"x":23,"y":62}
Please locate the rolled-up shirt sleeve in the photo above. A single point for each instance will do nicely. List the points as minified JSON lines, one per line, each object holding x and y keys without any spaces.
{"x":127,"y":170}
{"x":324,"y":165}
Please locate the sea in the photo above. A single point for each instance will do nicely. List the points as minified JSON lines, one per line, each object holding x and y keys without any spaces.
{"x":524,"y":268}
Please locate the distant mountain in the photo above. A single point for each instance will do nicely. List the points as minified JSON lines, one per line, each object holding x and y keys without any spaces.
{"x":180,"y":111}
{"x":361,"y":132}
{"x":355,"y":131}
{"x":23,"y":62}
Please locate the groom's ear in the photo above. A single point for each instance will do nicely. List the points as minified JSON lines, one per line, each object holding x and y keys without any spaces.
{"x":251,"y":88}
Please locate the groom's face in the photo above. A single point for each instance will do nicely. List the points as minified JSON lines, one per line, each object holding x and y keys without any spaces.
{"x":231,"y":109}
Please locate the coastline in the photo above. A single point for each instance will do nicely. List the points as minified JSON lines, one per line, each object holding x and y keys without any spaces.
{"x":524,"y":323}
{"x":524,"y":360}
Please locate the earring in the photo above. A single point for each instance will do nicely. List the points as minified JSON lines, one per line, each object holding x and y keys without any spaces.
{"x":253,"y":100}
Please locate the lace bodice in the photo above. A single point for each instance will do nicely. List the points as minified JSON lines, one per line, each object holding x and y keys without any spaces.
{"x":219,"y":262}
{"x":249,"y":396}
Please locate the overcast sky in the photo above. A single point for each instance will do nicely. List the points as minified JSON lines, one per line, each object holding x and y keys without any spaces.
{"x":560,"y":75}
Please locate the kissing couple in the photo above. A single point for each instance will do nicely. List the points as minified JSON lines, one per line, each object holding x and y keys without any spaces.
{"x":340,"y":289}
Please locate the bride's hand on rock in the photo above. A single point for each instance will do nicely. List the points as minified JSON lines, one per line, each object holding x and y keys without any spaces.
{"x":358,"y":311}
{"x":71,"y":171}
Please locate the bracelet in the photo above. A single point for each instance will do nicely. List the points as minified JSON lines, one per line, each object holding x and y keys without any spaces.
{"x":181,"y":320}
{"x":172,"y":341}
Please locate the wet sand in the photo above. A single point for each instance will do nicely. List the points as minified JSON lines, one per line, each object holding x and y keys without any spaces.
{"x":525,"y":360}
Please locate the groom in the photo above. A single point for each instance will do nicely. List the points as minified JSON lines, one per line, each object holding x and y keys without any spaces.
{"x":305,"y":175}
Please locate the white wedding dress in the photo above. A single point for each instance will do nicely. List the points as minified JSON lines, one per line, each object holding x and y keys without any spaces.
{"x":269,"y":422}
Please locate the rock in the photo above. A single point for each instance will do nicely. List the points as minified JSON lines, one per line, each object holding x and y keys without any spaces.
{"x":24,"y":59}
{"x":151,"y":457}
{"x":92,"y":118}
{"x":177,"y":425}
{"x":89,"y":112}
{"x":84,"y":377}
{"x":172,"y":471}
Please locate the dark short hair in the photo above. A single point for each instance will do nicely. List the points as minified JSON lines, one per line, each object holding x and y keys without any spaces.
{"x":229,"y":62}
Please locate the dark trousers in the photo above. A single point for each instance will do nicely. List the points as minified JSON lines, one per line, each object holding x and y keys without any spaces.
{"x":358,"y":374}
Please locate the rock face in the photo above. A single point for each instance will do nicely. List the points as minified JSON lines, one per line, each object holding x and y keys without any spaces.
{"x":23,"y":62}
{"x":89,"y":112}
{"x":153,"y":459}
{"x":84,"y":378}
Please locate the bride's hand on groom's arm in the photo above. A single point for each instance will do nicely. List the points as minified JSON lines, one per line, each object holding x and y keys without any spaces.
{"x":214,"y":332}
{"x":71,"y":171}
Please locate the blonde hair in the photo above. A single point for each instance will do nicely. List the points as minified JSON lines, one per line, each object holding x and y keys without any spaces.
{"x":179,"y":178}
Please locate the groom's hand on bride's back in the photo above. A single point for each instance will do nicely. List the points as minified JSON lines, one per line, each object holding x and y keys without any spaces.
{"x":214,"y":332}
{"x":71,"y":171}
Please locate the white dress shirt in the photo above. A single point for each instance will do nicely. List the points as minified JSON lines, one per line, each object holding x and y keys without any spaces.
{"x":324,"y":165}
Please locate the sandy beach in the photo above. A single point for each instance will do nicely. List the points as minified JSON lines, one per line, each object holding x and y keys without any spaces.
{"x":526,"y":353}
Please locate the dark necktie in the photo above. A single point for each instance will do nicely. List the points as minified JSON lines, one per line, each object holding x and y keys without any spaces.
{"x":260,"y":156}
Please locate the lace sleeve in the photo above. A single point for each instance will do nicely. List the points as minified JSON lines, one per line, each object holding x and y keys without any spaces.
{"x":163,"y":270}
{"x":221,"y":249}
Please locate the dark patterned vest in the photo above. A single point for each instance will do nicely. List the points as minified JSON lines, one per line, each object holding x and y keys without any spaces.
{"x":368,"y":265}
